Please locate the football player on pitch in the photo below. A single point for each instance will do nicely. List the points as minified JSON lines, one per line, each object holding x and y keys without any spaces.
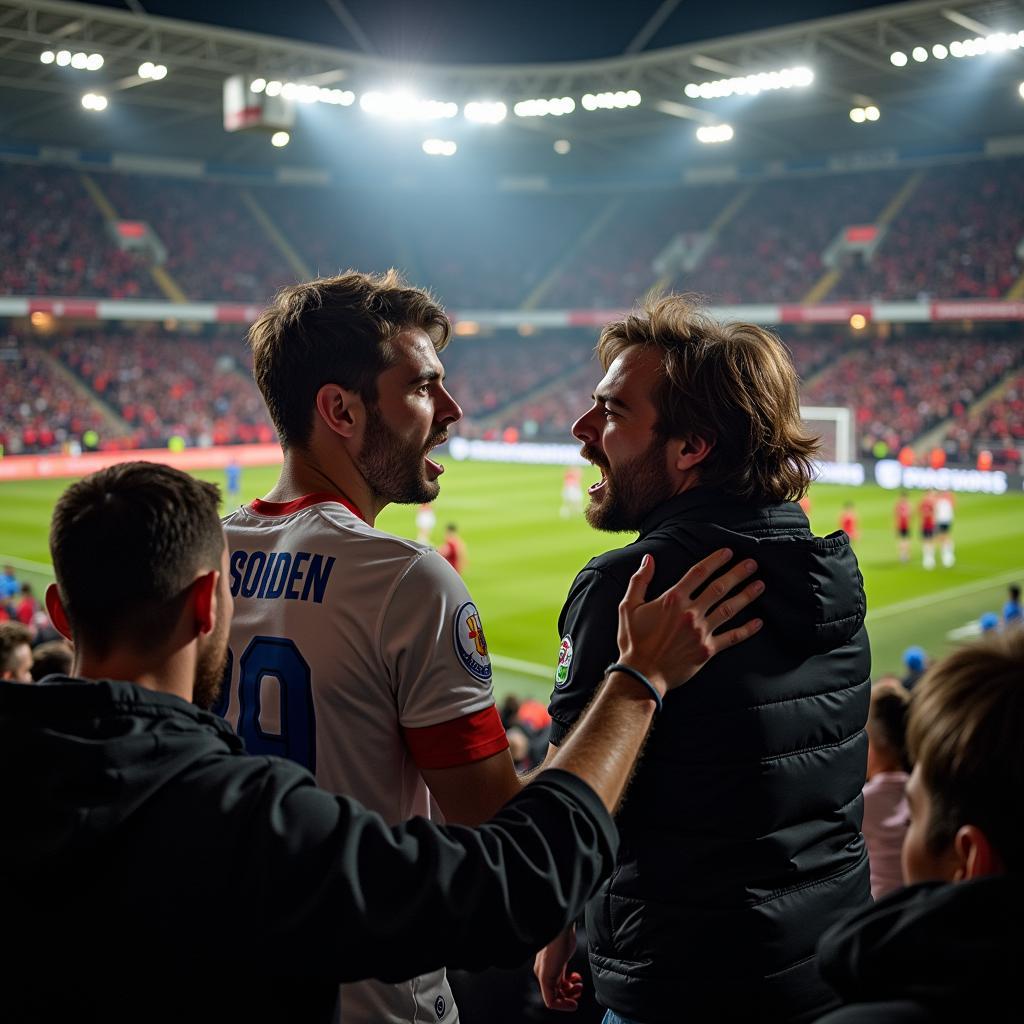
{"x":354,"y":652}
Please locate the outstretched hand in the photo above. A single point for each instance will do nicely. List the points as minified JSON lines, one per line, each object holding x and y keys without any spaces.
{"x":672,"y":637}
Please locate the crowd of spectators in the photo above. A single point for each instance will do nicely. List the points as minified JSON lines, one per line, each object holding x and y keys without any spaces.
{"x":40,"y":409}
{"x":957,"y":237}
{"x":53,"y":240}
{"x":901,"y":387}
{"x":215,"y":247}
{"x":166,"y":385}
{"x":998,"y":428}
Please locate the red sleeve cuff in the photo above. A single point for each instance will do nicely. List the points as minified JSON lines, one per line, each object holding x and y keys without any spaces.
{"x":457,"y":742}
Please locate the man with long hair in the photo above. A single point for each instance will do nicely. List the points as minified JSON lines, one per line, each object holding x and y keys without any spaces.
{"x":742,"y":833}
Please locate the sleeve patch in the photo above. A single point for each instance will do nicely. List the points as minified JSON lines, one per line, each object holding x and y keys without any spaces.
{"x":459,"y":741}
{"x":564,"y":662}
{"x":470,"y":643}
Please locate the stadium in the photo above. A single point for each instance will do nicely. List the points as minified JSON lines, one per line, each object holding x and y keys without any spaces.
{"x":847,"y":176}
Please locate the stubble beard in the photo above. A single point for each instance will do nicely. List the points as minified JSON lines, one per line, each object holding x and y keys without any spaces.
{"x":393,"y":467}
{"x":637,"y":488}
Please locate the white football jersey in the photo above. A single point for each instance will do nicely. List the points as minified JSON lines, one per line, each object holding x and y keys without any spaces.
{"x":361,"y":656}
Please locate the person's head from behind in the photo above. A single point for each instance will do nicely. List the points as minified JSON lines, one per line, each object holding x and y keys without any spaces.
{"x":451,"y":529}
{"x":54,"y":658}
{"x":140,"y":562}
{"x":966,"y":792}
{"x":686,"y":400}
{"x":15,"y":653}
{"x":887,"y":728}
{"x":1015,"y":593}
{"x":348,"y":368}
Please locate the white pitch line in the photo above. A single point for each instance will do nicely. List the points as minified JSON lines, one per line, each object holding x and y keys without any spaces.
{"x":944,"y":595}
{"x":529,"y":668}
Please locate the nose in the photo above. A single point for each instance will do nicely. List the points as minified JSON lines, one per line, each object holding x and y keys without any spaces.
{"x":584,"y":428}
{"x":449,"y":411}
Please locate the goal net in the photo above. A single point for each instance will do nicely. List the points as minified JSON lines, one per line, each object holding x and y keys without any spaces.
{"x":834,"y":425}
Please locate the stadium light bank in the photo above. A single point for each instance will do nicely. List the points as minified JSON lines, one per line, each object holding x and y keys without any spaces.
{"x":751,"y":85}
{"x":998,"y":42}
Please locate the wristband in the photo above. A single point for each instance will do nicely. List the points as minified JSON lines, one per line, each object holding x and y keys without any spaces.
{"x":638,"y":676}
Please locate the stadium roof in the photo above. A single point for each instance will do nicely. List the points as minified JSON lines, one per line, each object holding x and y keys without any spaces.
{"x":932,"y":103}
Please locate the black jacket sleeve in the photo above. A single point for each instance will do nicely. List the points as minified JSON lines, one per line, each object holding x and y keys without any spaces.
{"x":344,"y":896}
{"x":588,"y":627}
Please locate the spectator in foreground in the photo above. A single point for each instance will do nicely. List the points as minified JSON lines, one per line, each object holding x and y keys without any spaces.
{"x":949,"y":947}
{"x":15,"y":652}
{"x":53,"y":658}
{"x":885,"y":810}
{"x":134,"y":816}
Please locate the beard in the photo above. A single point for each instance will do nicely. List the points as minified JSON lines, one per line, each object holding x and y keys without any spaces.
{"x":629,"y":494}
{"x":392,"y":466}
{"x":211,"y":667}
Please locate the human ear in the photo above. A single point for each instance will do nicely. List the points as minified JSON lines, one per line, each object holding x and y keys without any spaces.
{"x":339,"y":409}
{"x":203,"y":590}
{"x":691,"y":452}
{"x":55,"y":609}
{"x":975,"y":855}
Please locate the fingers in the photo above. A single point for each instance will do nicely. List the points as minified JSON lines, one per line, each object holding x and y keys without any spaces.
{"x":731,"y":607}
{"x":561,"y":991}
{"x":735,"y":636}
{"x":725,"y":584}
{"x":638,"y":583}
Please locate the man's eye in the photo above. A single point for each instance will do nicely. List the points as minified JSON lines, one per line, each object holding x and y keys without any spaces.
{"x":608,"y":414}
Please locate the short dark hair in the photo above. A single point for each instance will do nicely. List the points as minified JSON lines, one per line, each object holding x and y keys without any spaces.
{"x":55,"y":657}
{"x":126,"y":543}
{"x":1015,"y":591}
{"x":963,"y":735}
{"x":732,"y":384}
{"x":12,"y":636}
{"x":887,"y":719}
{"x":335,"y":330}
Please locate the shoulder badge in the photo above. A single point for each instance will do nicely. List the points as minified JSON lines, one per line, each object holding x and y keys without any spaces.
{"x":470,"y":643}
{"x":564,"y":662}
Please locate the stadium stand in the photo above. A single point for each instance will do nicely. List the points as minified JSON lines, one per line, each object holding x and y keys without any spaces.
{"x":53,"y":240}
{"x":164,"y":386}
{"x":40,"y":410}
{"x":956,"y":238}
{"x":997,"y":427}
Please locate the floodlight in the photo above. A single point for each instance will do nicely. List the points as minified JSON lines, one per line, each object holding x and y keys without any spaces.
{"x":939,"y":52}
{"x":274,"y":88}
{"x":589,"y":101}
{"x":751,"y":85}
{"x":956,"y":49}
{"x":485,"y":112}
{"x":47,"y":57}
{"x":93,"y":101}
{"x":857,"y":115}
{"x":280,"y":139}
{"x":63,"y":58}
{"x":403,"y":106}
{"x":556,"y":107}
{"x":920,"y":54}
{"x":858,"y":321}
{"x":257,"y":85}
{"x":79,"y":61}
{"x":710,"y":133}
{"x":1020,"y":89}
{"x":439,"y":147}
{"x":94,"y":62}
{"x":159,"y":71}
{"x":562,"y":146}
{"x":872,"y":113}
{"x":692,"y":90}
{"x":898,"y":58}
{"x":146,"y":69}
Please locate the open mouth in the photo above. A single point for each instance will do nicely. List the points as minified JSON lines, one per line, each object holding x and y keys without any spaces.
{"x":594,"y":488}
{"x":589,"y":456}
{"x":434,"y":469}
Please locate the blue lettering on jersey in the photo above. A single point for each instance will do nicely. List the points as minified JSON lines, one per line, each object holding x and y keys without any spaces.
{"x":301,"y":576}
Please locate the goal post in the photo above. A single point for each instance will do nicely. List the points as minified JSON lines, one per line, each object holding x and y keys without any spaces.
{"x":834,"y":425}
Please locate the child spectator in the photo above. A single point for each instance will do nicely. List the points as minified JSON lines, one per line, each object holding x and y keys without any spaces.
{"x":1012,"y":615}
{"x":885,"y":810}
{"x":949,"y":947}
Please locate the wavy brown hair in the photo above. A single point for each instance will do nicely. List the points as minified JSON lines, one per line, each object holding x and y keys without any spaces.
{"x":334,"y":330}
{"x":731,"y":384}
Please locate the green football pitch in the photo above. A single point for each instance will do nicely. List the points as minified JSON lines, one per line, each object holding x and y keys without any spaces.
{"x":523,"y":556}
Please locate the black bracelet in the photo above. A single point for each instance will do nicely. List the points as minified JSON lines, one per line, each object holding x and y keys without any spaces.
{"x":638,"y":676}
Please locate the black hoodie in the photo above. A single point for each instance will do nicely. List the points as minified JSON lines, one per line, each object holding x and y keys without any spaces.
{"x":154,"y":871}
{"x":741,"y":834}
{"x":931,"y":953}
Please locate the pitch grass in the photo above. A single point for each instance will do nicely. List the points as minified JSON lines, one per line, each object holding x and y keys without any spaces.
{"x":523,"y":556}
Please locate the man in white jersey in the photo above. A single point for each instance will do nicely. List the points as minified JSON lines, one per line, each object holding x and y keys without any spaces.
{"x":356,"y":653}
{"x":944,"y":527}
